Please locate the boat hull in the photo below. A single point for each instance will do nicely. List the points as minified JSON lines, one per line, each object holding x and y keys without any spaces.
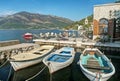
{"x":97,"y":76}
{"x":93,"y":77}
{"x":17,"y":65}
{"x":25,"y":61}
{"x":55,"y":66}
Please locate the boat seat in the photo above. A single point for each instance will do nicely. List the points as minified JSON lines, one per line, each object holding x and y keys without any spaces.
{"x":97,"y":67}
{"x":40,"y":52}
{"x":93,"y":60}
{"x":37,"y":53}
{"x":56,"y":59}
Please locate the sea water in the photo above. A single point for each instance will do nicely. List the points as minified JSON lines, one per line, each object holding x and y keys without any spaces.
{"x":18,"y":34}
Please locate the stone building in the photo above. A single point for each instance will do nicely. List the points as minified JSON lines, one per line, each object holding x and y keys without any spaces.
{"x":106,"y":21}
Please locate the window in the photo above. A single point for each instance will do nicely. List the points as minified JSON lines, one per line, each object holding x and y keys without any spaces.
{"x":103,"y":26}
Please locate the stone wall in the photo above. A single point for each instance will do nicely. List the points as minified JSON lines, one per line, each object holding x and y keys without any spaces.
{"x":8,"y":43}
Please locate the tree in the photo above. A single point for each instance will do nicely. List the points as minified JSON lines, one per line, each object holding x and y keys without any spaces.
{"x":117,"y":1}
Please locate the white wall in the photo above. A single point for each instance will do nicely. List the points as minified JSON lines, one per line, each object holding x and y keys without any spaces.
{"x":103,"y":11}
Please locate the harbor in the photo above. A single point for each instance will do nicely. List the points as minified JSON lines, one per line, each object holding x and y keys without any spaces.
{"x":73,"y":71}
{"x":40,"y":71}
{"x":81,"y":45}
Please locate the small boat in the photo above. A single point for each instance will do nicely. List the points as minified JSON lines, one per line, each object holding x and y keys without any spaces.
{"x":95,"y":65}
{"x":59,"y":59}
{"x":30,"y":58}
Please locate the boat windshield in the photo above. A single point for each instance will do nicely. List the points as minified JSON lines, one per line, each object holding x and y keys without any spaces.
{"x":65,"y":52}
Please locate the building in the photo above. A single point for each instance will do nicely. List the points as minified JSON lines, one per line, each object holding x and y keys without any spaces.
{"x":106,"y":21}
{"x":86,"y":21}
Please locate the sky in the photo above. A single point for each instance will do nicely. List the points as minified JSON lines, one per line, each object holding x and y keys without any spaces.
{"x":72,"y":9}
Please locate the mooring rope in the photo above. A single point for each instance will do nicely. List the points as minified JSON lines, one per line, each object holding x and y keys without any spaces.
{"x":9,"y":73}
{"x":50,"y":70}
{"x":3,"y":63}
{"x":36,"y":74}
{"x":50,"y":77}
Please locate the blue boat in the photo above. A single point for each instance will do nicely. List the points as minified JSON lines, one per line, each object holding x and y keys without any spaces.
{"x":59,"y":59}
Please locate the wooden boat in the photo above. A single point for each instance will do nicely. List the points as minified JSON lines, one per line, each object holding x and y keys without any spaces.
{"x":59,"y":59}
{"x":35,"y":56}
{"x":95,"y":65}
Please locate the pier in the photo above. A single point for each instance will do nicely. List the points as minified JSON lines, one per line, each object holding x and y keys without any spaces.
{"x":78,"y":44}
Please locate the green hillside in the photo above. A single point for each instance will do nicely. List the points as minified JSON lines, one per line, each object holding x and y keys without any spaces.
{"x":81,"y":22}
{"x":117,"y":1}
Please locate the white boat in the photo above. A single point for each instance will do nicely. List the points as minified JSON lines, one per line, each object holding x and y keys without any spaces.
{"x":95,"y":65}
{"x":59,"y":59}
{"x":35,"y":56}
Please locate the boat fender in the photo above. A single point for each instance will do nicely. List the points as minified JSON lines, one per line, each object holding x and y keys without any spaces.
{"x":48,"y":63}
{"x":78,"y":63}
{"x":98,"y":75}
{"x":110,"y":60}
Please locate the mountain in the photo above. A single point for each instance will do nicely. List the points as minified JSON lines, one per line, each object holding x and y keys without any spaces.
{"x":27,"y":20}
{"x":81,"y":22}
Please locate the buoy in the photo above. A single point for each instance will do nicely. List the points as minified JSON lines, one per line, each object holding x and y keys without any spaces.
{"x":28,"y":36}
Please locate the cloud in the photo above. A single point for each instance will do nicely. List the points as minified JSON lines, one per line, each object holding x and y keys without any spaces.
{"x":5,"y":13}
